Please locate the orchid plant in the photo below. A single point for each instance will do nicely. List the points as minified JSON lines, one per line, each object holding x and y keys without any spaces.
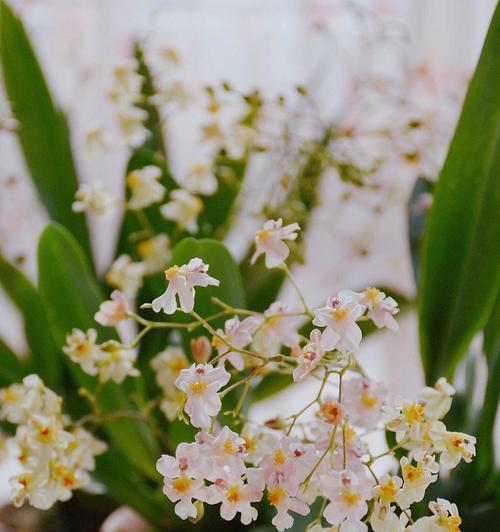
{"x":141,"y":385}
{"x":289,"y":462}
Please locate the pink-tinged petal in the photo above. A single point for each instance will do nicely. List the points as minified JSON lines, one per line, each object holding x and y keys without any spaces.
{"x":166,"y":466}
{"x":236,"y":360}
{"x":227,"y":512}
{"x":329,"y":339}
{"x":333,"y":514}
{"x":276,"y":252}
{"x":186,"y":298}
{"x":185,"y":508}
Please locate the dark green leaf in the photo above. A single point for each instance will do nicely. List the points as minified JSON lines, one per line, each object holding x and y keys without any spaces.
{"x":42,"y":131}
{"x":11,"y":368}
{"x":460,"y":277}
{"x":71,"y":296}
{"x":44,"y":352}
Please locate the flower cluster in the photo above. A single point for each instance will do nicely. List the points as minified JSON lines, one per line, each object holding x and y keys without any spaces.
{"x":110,"y":360}
{"x":55,"y":457}
{"x":322,"y":451}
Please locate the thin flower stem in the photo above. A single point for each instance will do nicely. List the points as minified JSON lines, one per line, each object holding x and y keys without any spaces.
{"x":231,"y":347}
{"x":296,"y":416}
{"x":330,"y":448}
{"x":289,"y":275}
{"x":140,"y":336}
{"x":232,"y":310}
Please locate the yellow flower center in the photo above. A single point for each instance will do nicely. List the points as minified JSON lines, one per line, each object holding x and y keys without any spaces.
{"x":217,"y":342}
{"x":387,"y":490}
{"x":177,"y":365}
{"x":263,"y":234}
{"x":414,"y":413}
{"x":172,"y":272}
{"x":250,"y":443}
{"x":229,"y":447}
{"x":233,"y":494}
{"x":197,"y":388}
{"x":279,"y":457}
{"x":340,"y":314}
{"x":276,"y":495}
{"x":368,"y":400}
{"x":7,"y":395}
{"x":349,"y":434}
{"x":351,"y":498}
{"x":132,"y":179}
{"x":182,"y":484}
{"x":412,"y":473}
{"x":451,"y":523}
{"x":372,"y":294}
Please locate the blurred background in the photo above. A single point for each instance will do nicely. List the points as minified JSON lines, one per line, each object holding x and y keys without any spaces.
{"x":368,"y":65}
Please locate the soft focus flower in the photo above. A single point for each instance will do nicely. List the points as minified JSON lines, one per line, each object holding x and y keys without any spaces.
{"x":279,"y":328}
{"x":416,"y":480}
{"x":184,"y":209}
{"x":437,"y":400}
{"x":445,"y":518}
{"x":127,"y":83}
{"x":113,"y":311}
{"x":339,"y":316}
{"x":348,"y":493}
{"x":126,"y":275}
{"x":155,"y":252}
{"x":238,"y":334}
{"x":384,"y":519}
{"x":381,"y":309}
{"x":201,"y":179}
{"x":269,"y":241}
{"x":362,"y":401}
{"x":55,"y":459}
{"x":200,"y":383}
{"x":93,"y":198}
{"x":454,"y":446}
{"x":144,"y":186}
{"x":81,"y":347}
{"x":312,"y":353}
{"x":131,"y":124}
{"x":181,"y":283}
{"x":116,"y":362}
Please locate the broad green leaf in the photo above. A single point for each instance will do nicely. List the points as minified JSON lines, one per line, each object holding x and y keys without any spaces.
{"x":11,"y":368}
{"x":70,"y":296}
{"x":129,"y":489}
{"x":460,"y":273}
{"x":42,"y":131}
{"x":44,"y":352}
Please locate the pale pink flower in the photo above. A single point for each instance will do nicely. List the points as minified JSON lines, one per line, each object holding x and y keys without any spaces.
{"x":348,"y":493}
{"x":269,"y":240}
{"x":200,"y":383}
{"x":181,"y":479}
{"x":362,"y":400}
{"x":238,"y":334}
{"x":279,"y":328}
{"x":227,"y":452}
{"x":454,"y":446}
{"x":235,"y":496}
{"x":416,"y":480}
{"x":113,"y":311}
{"x":437,"y":399}
{"x":381,"y":309}
{"x":309,"y":358}
{"x":339,"y":316}
{"x":284,"y":503}
{"x":181,"y":283}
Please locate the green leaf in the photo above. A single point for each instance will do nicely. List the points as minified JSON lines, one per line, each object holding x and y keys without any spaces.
{"x":460,"y":276}
{"x":70,"y":296}
{"x":11,"y":368}
{"x":485,"y":459}
{"x":270,"y":385}
{"x":42,"y":131}
{"x":44,"y":352}
{"x":129,"y":489}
